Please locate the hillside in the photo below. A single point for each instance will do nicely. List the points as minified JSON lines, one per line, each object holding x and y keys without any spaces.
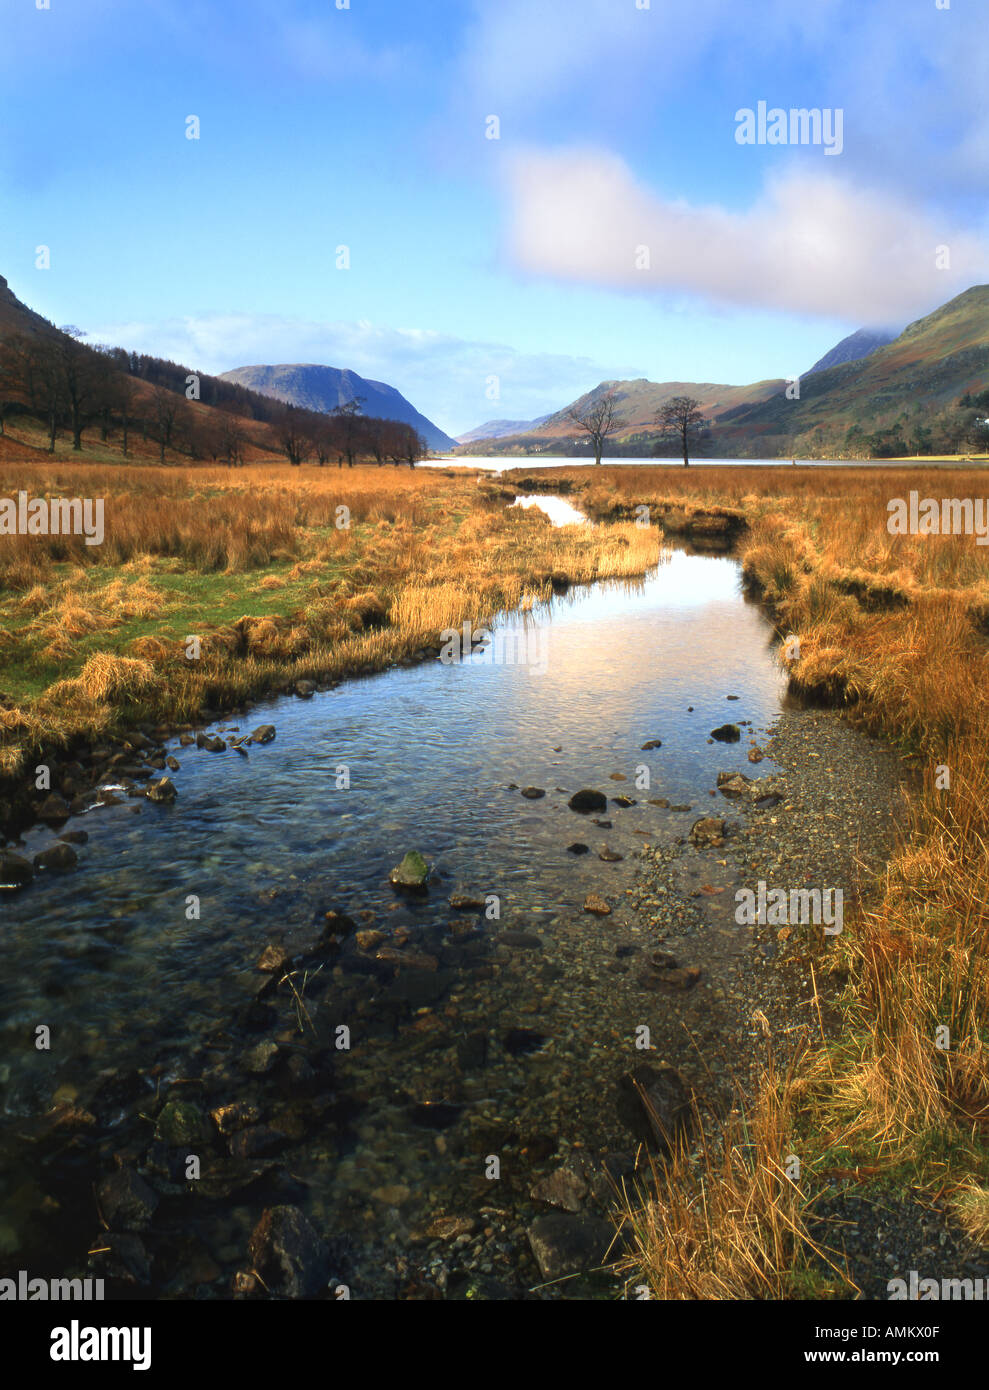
{"x":16,"y":317}
{"x":929,"y":366}
{"x":638,"y":402}
{"x":853,"y":348}
{"x":926,"y":369}
{"x":324,"y":388}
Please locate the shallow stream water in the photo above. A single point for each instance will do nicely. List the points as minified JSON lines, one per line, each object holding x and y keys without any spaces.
{"x":436,"y":756}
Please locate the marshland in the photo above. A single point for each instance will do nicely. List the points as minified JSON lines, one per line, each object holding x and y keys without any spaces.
{"x":197,"y":954}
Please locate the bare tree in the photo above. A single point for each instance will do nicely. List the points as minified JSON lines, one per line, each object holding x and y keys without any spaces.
{"x":415,"y":446}
{"x":323,"y":439}
{"x":44,"y":382}
{"x":598,"y":419}
{"x":683,"y":417}
{"x":349,"y":429}
{"x":124,"y":396}
{"x":81,"y":370}
{"x":231,"y":438}
{"x":295,"y":435}
{"x":164,"y":408}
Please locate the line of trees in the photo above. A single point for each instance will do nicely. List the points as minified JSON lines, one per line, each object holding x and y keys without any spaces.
{"x":344,"y":435}
{"x":70,"y":386}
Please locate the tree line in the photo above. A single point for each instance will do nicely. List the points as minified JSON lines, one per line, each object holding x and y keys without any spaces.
{"x":70,"y":387}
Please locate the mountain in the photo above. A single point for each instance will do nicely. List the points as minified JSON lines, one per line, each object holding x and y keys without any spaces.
{"x":927,"y":368}
{"x":932,"y":363}
{"x":638,"y":401}
{"x":853,"y":348}
{"x":497,"y":429}
{"x":325,"y":388}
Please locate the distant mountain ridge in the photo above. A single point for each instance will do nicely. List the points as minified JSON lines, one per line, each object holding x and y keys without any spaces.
{"x":853,"y":348}
{"x":497,"y":429}
{"x":316,"y":387}
{"x":862,"y":384}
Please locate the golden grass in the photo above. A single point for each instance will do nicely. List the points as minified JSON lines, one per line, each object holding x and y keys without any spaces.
{"x":281,"y":573}
{"x":728,"y":1221}
{"x":894,"y":629}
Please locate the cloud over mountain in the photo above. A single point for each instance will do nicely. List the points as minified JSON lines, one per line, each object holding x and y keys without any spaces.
{"x":812,"y":243}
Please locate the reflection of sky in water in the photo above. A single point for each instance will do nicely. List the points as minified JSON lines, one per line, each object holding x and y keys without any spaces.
{"x":107,"y":954}
{"x":558,"y":509}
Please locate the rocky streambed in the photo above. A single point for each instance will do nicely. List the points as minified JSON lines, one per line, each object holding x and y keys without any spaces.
{"x":273,"y":1070}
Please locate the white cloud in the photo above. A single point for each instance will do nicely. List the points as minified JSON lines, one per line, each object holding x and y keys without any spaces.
{"x":811,"y":243}
{"x":449,"y":379}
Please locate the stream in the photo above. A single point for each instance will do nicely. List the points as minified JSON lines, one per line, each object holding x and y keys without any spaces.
{"x":487,"y":1045}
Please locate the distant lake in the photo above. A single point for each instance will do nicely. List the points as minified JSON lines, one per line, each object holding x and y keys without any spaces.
{"x":500,"y":464}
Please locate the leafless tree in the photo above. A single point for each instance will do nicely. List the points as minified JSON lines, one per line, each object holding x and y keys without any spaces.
{"x":349,"y":429}
{"x":295,"y":435}
{"x":598,"y":418}
{"x":164,"y":409}
{"x":681,"y":416}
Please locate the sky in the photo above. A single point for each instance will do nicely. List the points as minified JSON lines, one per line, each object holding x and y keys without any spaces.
{"x":492,"y":205}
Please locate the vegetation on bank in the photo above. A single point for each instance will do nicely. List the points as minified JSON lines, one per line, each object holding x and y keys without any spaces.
{"x":281,"y":574}
{"x":894,"y":630}
{"x":256,"y":564}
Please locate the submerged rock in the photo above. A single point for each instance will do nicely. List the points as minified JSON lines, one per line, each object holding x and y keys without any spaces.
{"x":588,"y":800}
{"x":180,"y":1122}
{"x":733,"y":784}
{"x":533,"y":793}
{"x":58,"y":858}
{"x":520,"y":940}
{"x":288,"y":1254}
{"x":517,"y":1042}
{"x":564,"y":1244}
{"x":564,"y":1188}
{"x":654,"y":1104}
{"x":15,"y":871}
{"x":596,"y":904}
{"x":53,"y":810}
{"x":126,"y":1201}
{"x":462,"y":900}
{"x":412,"y":874}
{"x":708,"y":831}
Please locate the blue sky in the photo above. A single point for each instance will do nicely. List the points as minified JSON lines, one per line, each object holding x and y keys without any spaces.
{"x":489,"y":278}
